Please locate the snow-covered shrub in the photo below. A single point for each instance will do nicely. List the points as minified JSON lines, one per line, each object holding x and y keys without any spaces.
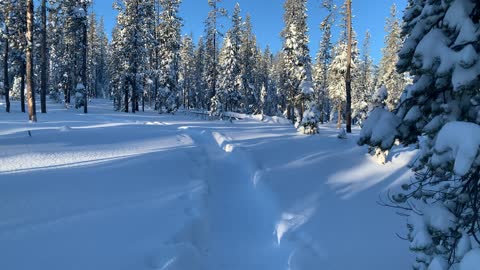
{"x":310,"y":121}
{"x":379,"y":129}
{"x":79,"y":96}
{"x":16,"y":88}
{"x":439,"y":113}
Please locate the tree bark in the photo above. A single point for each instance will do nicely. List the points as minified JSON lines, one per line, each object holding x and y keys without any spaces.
{"x":43,"y":57}
{"x":339,"y":108}
{"x":6,"y":82}
{"x":84,"y":61}
{"x":22,"y":85}
{"x":32,"y":114}
{"x":348,"y":77}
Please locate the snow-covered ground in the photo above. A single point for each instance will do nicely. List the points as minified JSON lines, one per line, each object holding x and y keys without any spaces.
{"x":113,"y":191}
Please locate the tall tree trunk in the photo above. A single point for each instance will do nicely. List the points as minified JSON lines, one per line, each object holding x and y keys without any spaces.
{"x":339,"y":108}
{"x":348,"y":77}
{"x":126,"y":97}
{"x":6,"y":82}
{"x":32,"y":114}
{"x":43,"y":57}
{"x":22,"y":85}
{"x":84,"y":61}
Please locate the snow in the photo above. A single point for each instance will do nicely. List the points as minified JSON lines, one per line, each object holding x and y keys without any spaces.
{"x":116,"y":191}
{"x":380,"y":128}
{"x":438,"y":263}
{"x":462,"y":150}
{"x":471,"y":261}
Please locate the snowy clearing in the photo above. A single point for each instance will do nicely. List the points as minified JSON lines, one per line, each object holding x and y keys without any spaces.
{"x":116,"y":191}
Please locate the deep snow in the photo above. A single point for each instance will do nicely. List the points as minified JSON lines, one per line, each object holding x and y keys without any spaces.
{"x":117,"y":191}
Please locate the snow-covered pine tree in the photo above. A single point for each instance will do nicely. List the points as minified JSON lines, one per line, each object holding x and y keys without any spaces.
{"x":228,"y":86}
{"x":389,"y":76}
{"x":297,"y":62}
{"x":200,"y":101}
{"x":132,"y":38}
{"x":441,"y":51}
{"x":186,"y":77}
{"x":229,"y":81}
{"x":337,"y":72}
{"x":211,"y":49}
{"x":364,"y":85}
{"x":169,"y":39}
{"x":93,"y":51}
{"x":322,"y":62}
{"x":248,"y":67}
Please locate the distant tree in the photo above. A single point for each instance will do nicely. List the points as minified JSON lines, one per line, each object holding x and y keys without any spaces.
{"x":187,"y":72}
{"x":297,"y":62}
{"x":323,"y":60}
{"x":389,"y":76}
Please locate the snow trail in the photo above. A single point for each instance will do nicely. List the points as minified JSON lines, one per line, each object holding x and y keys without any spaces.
{"x":240,"y":215}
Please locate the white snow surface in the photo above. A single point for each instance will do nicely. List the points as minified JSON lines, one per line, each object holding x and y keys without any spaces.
{"x":116,"y":191}
{"x":458,"y":142}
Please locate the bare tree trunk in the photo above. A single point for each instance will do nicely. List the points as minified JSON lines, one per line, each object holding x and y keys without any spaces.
{"x":32,"y":114}
{"x":348,"y":77}
{"x":339,"y":108}
{"x":43,"y":71}
{"x":126,"y":98}
{"x":22,"y":85}
{"x":84,"y":62}
{"x":6,"y":82}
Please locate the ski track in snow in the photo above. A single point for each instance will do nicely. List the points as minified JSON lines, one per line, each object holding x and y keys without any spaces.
{"x":113,"y":191}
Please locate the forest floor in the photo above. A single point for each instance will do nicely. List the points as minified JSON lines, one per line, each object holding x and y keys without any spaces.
{"x":116,"y":191}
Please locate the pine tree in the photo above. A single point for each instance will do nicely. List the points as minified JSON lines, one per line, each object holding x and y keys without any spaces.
{"x":389,"y":77}
{"x":297,"y":60}
{"x":323,"y":60}
{"x":364,"y":85}
{"x":6,"y":8}
{"x":248,"y":61}
{"x":43,"y":59}
{"x":211,"y":49}
{"x":441,"y":51}
{"x":201,"y":101}
{"x":169,"y":47}
{"x":337,"y":73}
{"x":187,"y":72}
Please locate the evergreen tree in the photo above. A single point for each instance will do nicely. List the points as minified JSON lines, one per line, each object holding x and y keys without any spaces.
{"x":364,"y":85}
{"x":389,"y":77}
{"x":169,"y":39}
{"x":211,"y":49}
{"x":297,"y":62}
{"x":248,"y":62}
{"x":323,"y":60}
{"x":441,"y":51}
{"x":187,"y":72}
{"x":201,"y":101}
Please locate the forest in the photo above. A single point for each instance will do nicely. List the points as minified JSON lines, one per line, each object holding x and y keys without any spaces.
{"x":401,"y":134}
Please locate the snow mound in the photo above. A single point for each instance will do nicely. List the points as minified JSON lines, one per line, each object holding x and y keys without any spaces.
{"x":223,"y":142}
{"x":65,"y":129}
{"x":154,"y":124}
{"x":463,"y":150}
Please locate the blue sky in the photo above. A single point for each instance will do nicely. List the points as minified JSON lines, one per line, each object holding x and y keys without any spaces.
{"x":267,"y":19}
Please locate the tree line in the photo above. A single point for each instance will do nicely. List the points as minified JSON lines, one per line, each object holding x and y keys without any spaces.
{"x":148,"y":63}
